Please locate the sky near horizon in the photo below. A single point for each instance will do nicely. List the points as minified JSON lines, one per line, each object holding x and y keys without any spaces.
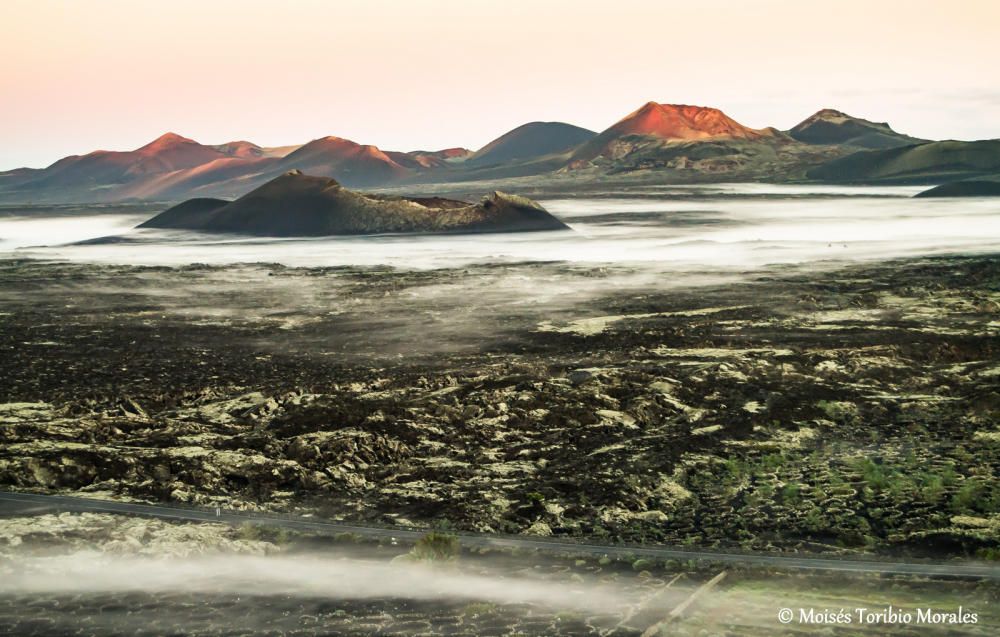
{"x":429,"y":74}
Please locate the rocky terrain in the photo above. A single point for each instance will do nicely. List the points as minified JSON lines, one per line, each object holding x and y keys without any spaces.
{"x":846,"y":410}
{"x":68,"y":533}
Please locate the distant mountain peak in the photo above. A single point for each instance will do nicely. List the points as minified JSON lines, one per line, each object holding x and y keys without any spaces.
{"x":838,"y":117}
{"x":352,"y":163}
{"x":172,"y":137}
{"x":831,"y":126}
{"x":825,"y":113}
{"x":241,"y":149}
{"x":670,"y":122}
{"x":456,"y":151}
{"x":689,"y":109}
{"x":167,"y":140}
{"x":341,"y":144}
{"x":334,"y":140}
{"x":531,"y":141}
{"x":682,"y":122}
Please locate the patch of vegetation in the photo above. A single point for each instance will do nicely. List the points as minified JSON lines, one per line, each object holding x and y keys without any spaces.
{"x":476,"y":609}
{"x":436,"y":547}
{"x":642,"y":564}
{"x":976,"y":495}
{"x":791,"y":493}
{"x":838,"y":411}
{"x":990,"y":554}
{"x":259,"y":533}
{"x":250,"y":532}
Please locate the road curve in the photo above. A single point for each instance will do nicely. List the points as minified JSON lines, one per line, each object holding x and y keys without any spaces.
{"x":40,"y":503}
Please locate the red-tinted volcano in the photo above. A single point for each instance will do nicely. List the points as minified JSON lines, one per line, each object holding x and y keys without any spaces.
{"x":349,"y":162}
{"x":671,"y":122}
{"x":682,"y":122}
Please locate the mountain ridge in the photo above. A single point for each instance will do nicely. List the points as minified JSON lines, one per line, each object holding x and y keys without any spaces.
{"x":671,"y":142}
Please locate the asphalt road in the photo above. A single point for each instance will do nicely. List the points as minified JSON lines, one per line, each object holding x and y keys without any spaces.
{"x":32,"y":504}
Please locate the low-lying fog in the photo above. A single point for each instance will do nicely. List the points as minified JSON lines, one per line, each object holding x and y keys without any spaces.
{"x":313,"y":575}
{"x":320,"y":593}
{"x":729,"y":226}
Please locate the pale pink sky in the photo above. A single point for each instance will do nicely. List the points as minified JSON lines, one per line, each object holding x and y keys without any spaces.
{"x":113,"y":74}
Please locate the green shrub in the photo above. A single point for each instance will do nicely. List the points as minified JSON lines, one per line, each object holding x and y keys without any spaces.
{"x":990,"y":554}
{"x":790,"y":493}
{"x":476,"y":609}
{"x":642,"y":564}
{"x":874,"y":474}
{"x":976,"y":495}
{"x":839,"y":411}
{"x":249,"y":531}
{"x":436,"y":547}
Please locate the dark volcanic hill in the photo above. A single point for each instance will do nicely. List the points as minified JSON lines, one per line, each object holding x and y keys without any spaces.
{"x":300,"y":205}
{"x":933,"y":162}
{"x":829,"y":126}
{"x":531,"y":141}
{"x":967,"y":188}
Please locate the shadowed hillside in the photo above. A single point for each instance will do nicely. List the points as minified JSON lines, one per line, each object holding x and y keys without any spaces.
{"x":531,"y":141}
{"x":967,"y":188}
{"x":300,"y":205}
{"x":830,"y":126}
{"x":933,"y":162}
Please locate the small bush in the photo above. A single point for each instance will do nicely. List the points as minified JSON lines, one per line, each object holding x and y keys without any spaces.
{"x":477,"y":609}
{"x":791,"y":493}
{"x":436,"y":547}
{"x":249,"y":531}
{"x":642,"y":564}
